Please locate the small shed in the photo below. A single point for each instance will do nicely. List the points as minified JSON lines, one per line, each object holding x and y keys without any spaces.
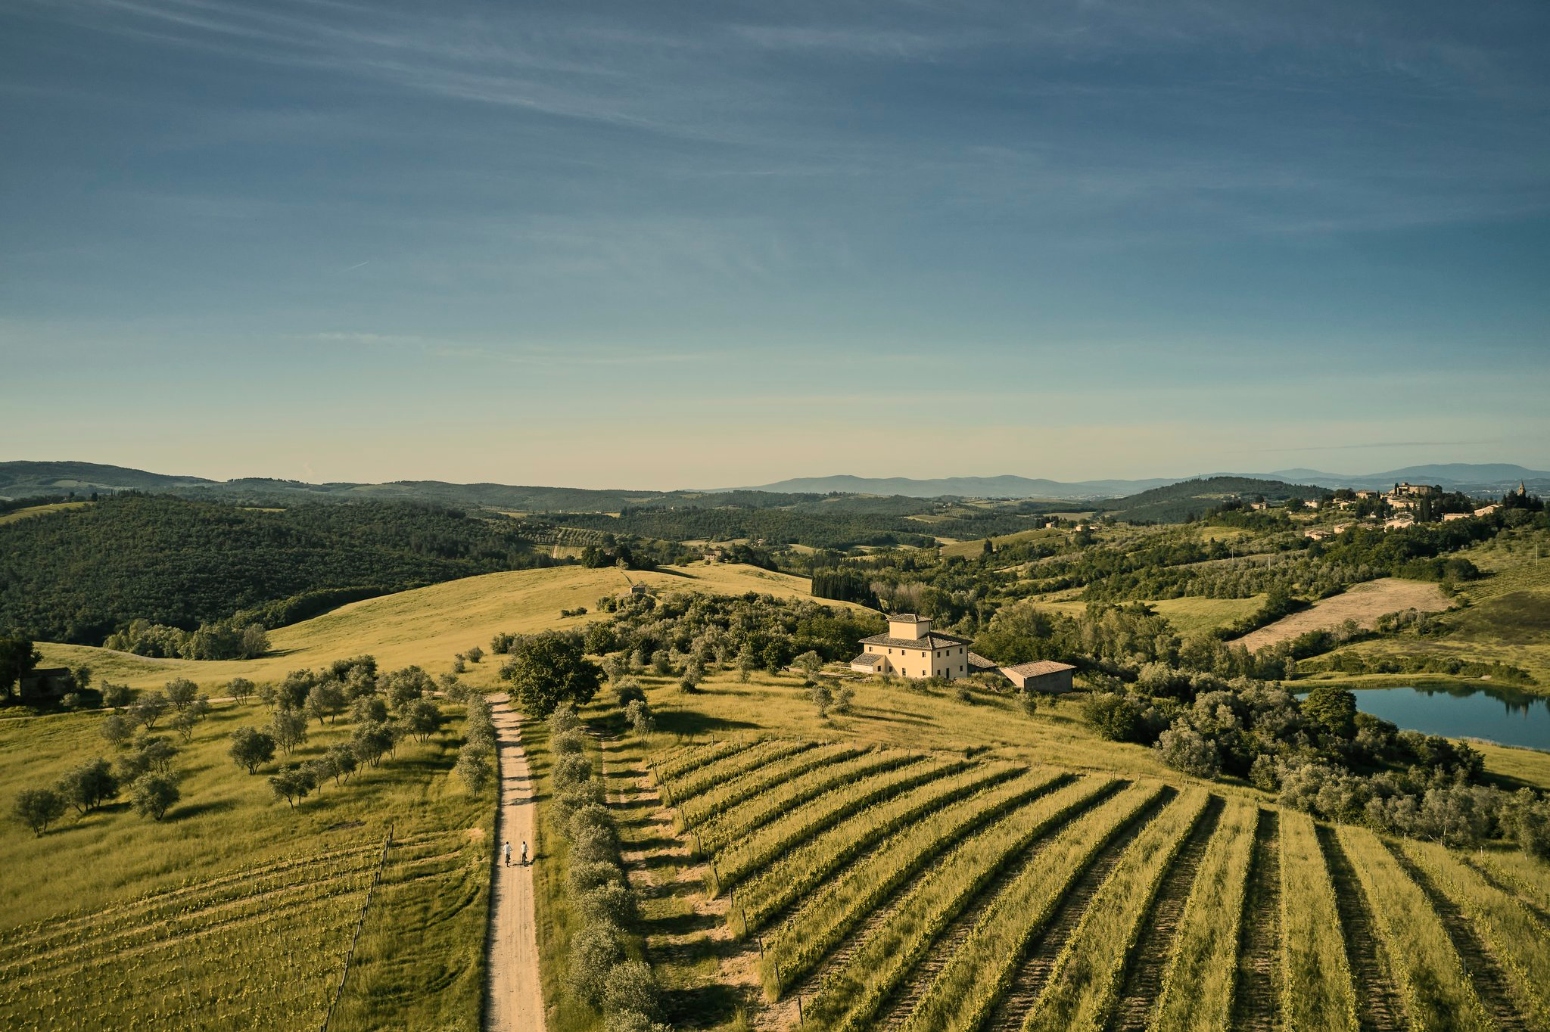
{"x":1042,"y":676}
{"x":46,"y":683}
{"x":867,"y":663}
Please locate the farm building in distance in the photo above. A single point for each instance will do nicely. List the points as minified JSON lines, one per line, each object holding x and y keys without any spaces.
{"x":1043,"y":676}
{"x":911,"y":649}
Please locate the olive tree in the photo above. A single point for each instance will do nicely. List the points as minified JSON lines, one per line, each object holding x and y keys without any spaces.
{"x":153,"y":794}
{"x":37,"y":808}
{"x":251,"y":747}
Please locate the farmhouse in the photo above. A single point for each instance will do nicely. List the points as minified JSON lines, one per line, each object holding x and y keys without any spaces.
{"x":1042,"y":676}
{"x":911,"y":649}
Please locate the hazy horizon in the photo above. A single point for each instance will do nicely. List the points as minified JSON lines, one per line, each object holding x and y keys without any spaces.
{"x":715,"y":245}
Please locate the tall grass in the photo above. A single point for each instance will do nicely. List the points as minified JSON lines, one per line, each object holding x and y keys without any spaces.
{"x":1317,"y":992}
{"x":1509,"y":931}
{"x":755,"y":851}
{"x":828,"y":915}
{"x":800,"y":871}
{"x":851,"y":999}
{"x":736,"y":823}
{"x":759,"y":782}
{"x":1086,"y":978}
{"x":1518,"y":871}
{"x":236,"y":911}
{"x":1429,"y":974}
{"x":1197,"y":989}
{"x":982,"y":968}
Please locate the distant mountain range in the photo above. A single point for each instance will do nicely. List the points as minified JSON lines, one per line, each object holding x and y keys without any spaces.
{"x":1484,"y":478}
{"x":34,"y":479}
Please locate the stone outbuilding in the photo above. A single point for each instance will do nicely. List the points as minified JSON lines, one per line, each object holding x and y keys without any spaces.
{"x":1042,"y":676}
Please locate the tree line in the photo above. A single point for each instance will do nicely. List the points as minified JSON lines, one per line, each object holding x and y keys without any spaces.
{"x":79,"y":575}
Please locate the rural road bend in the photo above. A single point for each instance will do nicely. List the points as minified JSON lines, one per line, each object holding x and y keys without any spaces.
{"x":516,"y":1002}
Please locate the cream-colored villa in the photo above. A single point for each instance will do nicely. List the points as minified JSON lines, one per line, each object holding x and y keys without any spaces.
{"x":911,"y":649}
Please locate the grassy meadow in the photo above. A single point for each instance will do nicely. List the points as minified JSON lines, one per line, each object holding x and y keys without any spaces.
{"x":236,"y":910}
{"x":428,"y":626}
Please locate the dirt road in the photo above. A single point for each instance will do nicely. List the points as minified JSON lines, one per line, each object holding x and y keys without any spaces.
{"x":516,"y":1002}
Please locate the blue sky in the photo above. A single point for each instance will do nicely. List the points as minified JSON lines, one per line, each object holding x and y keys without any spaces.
{"x":677,"y":245}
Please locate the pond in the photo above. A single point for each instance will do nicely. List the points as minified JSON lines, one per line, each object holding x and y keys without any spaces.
{"x":1500,"y":715}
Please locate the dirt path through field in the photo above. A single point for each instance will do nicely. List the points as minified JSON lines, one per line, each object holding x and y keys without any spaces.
{"x":516,"y":1002}
{"x":1363,"y":603}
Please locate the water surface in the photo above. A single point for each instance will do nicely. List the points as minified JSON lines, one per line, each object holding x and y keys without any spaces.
{"x":1501,"y":715}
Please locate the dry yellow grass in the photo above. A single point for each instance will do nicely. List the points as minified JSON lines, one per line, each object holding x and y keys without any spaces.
{"x":1364,"y":603}
{"x":39,"y":510}
{"x":428,"y":626}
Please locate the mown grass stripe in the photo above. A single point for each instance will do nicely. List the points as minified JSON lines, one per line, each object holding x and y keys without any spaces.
{"x":828,"y":916}
{"x":1427,"y":970}
{"x":791,"y":877}
{"x":1085,"y":982}
{"x":1317,"y":988}
{"x":1198,"y":987}
{"x":747,"y":855}
{"x":852,"y":998}
{"x":741,"y":820}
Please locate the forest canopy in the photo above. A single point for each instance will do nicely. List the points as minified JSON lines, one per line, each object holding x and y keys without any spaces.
{"x":79,"y":575}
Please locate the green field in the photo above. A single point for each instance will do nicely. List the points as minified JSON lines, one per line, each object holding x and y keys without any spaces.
{"x":235,"y":910}
{"x":925,"y":860}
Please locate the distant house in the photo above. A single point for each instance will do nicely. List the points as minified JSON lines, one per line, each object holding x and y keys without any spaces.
{"x":46,"y":684}
{"x":1487,"y":510}
{"x":911,"y":649}
{"x":1042,"y":676}
{"x":1449,"y":517}
{"x":1399,"y":522}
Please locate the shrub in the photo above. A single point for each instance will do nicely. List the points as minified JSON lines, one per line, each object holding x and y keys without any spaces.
{"x":640,"y":717}
{"x":1113,"y":716}
{"x":585,"y":877}
{"x":594,"y":845}
{"x":116,"y":696}
{"x":571,"y":770}
{"x":631,"y":987}
{"x":1184,"y":749}
{"x":474,"y":769}
{"x":569,"y":743}
{"x":610,"y":901}
{"x":594,"y":950}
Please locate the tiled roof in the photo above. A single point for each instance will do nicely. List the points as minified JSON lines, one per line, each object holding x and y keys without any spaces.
{"x":903,"y":617}
{"x":930,"y":641}
{"x":868,"y":659}
{"x":980,"y":662}
{"x":1043,"y":666}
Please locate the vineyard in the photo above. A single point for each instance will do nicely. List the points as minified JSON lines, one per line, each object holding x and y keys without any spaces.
{"x":917,"y":891}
